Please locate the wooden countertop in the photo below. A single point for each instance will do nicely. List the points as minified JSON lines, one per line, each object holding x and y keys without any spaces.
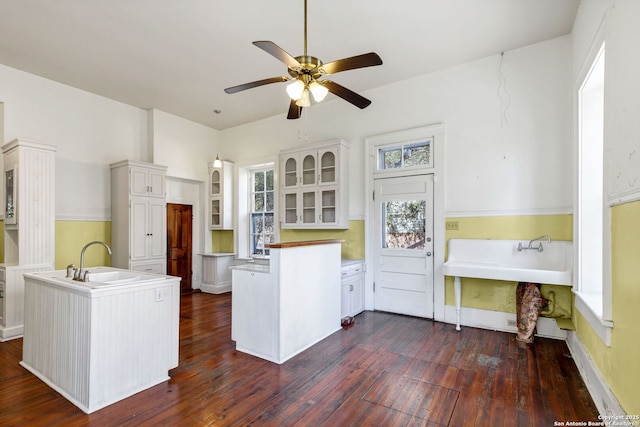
{"x":302,"y":243}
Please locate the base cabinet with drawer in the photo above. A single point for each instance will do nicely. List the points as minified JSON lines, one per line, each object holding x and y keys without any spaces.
{"x":352,"y":287}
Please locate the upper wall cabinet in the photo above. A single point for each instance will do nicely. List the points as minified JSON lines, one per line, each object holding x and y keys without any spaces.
{"x":221,"y":196}
{"x":314,"y":186}
{"x":146,"y":182}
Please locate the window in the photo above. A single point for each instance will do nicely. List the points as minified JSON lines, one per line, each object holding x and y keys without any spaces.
{"x":406,"y":155}
{"x":592,"y":285}
{"x":262,"y":223}
{"x":404,"y":224}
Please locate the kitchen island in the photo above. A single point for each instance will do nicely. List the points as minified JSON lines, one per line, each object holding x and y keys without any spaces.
{"x":280,"y":309}
{"x":100,"y":341}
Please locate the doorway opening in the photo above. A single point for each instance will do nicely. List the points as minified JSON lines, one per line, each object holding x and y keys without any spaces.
{"x":179,"y":244}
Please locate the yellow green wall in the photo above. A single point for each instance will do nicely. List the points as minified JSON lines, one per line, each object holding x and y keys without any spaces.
{"x":71,"y":236}
{"x":498,"y":295}
{"x":222,"y":241}
{"x":617,"y":362}
{"x":353,"y":246}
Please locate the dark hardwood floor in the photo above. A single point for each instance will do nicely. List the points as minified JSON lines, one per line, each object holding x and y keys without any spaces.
{"x":384,"y":370}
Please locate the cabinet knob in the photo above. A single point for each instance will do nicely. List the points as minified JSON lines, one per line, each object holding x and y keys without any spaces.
{"x":428,"y":253}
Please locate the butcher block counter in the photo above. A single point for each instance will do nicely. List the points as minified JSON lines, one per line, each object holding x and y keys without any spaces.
{"x":280,"y":309}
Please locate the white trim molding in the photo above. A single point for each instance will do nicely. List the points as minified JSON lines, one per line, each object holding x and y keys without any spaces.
{"x":501,"y":321}
{"x":599,"y":390}
{"x":518,"y":212}
{"x":590,"y":306}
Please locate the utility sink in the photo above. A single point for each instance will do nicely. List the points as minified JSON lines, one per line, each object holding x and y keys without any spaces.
{"x":501,"y":260}
{"x":511,"y":260}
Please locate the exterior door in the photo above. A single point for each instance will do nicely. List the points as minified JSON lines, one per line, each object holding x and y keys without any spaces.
{"x":403,"y":275}
{"x":179,"y":224}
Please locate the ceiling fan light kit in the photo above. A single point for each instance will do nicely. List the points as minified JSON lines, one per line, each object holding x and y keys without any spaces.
{"x":305,"y":73}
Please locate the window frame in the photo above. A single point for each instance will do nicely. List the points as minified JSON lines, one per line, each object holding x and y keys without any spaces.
{"x":595,"y":307}
{"x":252,"y":213}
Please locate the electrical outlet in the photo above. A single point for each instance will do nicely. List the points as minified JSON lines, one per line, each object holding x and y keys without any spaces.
{"x":453,"y":225}
{"x":511,"y":323}
{"x":159,"y":295}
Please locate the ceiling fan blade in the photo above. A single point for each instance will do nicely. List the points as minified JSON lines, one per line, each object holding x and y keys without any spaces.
{"x":257,"y":83}
{"x":295,"y":111}
{"x":361,"y":61}
{"x":346,"y":94}
{"x":279,"y":53}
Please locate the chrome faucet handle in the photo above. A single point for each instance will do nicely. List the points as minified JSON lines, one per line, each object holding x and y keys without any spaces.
{"x":70,"y":270}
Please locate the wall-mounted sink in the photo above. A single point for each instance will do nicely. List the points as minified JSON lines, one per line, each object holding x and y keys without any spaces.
{"x":512,"y":260}
{"x":501,"y":260}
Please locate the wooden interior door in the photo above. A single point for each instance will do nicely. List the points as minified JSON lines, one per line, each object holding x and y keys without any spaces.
{"x":179,"y":226}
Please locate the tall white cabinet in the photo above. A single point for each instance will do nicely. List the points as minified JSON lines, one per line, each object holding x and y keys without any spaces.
{"x":314,"y":186}
{"x":29,"y":225}
{"x":220,"y":196}
{"x":139,"y":216}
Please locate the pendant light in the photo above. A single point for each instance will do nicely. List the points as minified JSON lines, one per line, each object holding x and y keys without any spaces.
{"x":217,"y":163}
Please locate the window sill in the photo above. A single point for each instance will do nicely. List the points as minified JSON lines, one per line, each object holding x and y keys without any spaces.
{"x":590,"y":306}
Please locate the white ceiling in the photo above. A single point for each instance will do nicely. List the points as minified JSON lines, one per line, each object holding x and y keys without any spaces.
{"x":179,"y":55}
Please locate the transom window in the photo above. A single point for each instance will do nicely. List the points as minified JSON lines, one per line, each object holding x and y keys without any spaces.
{"x":262,"y":207}
{"x":405,"y":155}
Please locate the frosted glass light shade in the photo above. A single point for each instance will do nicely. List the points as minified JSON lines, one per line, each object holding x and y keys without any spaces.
{"x":304,"y":100}
{"x":217,"y":163}
{"x":295,"y":89}
{"x":318,"y":91}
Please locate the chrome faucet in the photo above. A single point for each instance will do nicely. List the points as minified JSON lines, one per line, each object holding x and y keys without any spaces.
{"x":539,"y":248}
{"x":80,"y":273}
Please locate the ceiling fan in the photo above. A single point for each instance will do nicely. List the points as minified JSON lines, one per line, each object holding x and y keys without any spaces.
{"x":305,"y":73}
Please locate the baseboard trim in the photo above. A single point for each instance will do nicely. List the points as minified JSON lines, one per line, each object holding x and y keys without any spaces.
{"x":501,"y":321}
{"x":602,"y":396}
{"x":220,"y":288}
{"x":11,"y":333}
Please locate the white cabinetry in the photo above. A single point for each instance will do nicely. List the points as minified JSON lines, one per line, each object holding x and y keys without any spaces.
{"x":138,"y":216}
{"x":220,"y":196}
{"x":216,"y":272}
{"x":314,"y":186}
{"x":352,"y":286}
{"x":147,"y":182}
{"x":29,"y":225}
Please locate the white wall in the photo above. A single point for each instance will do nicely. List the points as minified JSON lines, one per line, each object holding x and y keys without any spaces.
{"x":89,"y":131}
{"x":492,"y":166}
{"x":183,"y":146}
{"x":521,"y":165}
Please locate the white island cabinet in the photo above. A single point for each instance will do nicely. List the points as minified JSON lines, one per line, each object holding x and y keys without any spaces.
{"x":101,"y":341}
{"x":279,"y":310}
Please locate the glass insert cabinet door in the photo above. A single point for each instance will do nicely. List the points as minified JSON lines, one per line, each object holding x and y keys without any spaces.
{"x":10,"y":196}
{"x":215,"y":183}
{"x":215,"y":212}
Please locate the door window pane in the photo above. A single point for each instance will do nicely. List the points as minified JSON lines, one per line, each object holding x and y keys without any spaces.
{"x":404,"y":224}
